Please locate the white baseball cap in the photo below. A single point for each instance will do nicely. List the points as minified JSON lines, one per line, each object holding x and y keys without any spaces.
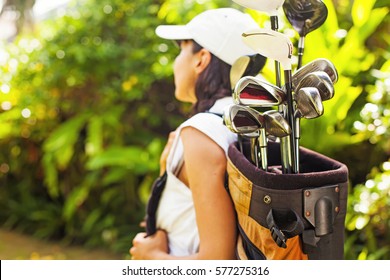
{"x":218,"y":30}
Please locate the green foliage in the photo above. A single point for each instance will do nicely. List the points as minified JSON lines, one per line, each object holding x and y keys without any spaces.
{"x":375,"y":115}
{"x":369,"y":203}
{"x":368,"y":217}
{"x":81,"y":126}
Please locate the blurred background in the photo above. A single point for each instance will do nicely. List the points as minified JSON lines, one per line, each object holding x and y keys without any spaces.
{"x":86,"y":101}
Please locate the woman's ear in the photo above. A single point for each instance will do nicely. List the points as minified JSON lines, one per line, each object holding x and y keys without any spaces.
{"x":203,"y":60}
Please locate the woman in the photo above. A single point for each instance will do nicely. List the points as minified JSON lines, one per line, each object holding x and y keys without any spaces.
{"x":196,"y":217}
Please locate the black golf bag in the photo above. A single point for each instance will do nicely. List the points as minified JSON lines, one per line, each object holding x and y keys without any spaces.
{"x":288,"y":216}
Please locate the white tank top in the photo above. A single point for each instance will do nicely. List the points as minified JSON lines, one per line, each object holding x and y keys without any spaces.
{"x":176,"y":213}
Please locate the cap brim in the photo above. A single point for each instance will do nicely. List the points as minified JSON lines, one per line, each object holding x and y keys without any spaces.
{"x":173,"y":32}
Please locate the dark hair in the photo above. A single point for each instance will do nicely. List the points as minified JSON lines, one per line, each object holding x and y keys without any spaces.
{"x":212,"y":84}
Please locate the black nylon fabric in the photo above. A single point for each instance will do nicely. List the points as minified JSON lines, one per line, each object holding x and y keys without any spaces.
{"x":154,"y":199}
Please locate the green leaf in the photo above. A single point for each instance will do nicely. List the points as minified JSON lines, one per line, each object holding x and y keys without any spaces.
{"x":134,"y":158}
{"x":75,"y":200}
{"x":61,"y":141}
{"x":115,"y":175}
{"x":51,"y":175}
{"x":94,"y":143}
{"x":91,"y":220}
{"x":78,"y":196}
{"x":361,"y":11}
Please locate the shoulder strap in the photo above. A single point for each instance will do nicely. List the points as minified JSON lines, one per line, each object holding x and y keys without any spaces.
{"x":217,"y":114}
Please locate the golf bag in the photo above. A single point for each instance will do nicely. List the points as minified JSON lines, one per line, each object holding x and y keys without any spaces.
{"x":288,"y":216}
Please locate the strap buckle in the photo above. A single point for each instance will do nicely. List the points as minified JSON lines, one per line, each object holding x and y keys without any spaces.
{"x":284,"y":224}
{"x":278,"y":236}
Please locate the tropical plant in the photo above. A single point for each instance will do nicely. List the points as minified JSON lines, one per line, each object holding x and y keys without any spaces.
{"x":81,"y":125}
{"x":369,"y":203}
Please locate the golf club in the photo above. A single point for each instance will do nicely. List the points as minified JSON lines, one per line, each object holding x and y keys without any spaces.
{"x":277,"y":46}
{"x":309,"y":106}
{"x":247,"y":65}
{"x":275,"y":124}
{"x":308,"y":103}
{"x":319,"y":80}
{"x":271,"y":8}
{"x":241,"y":119}
{"x":255,"y":92}
{"x":320,"y":64}
{"x":305,"y":16}
{"x":245,"y":120}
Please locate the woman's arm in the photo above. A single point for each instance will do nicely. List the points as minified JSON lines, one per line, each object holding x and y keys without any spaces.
{"x":204,"y":169}
{"x":205,"y":165}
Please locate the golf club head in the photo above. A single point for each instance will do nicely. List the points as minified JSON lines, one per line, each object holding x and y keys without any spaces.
{"x":247,"y":65}
{"x":275,"y":124}
{"x":305,"y":15}
{"x":242,"y":120}
{"x":254,"y":92}
{"x":237,"y":70}
{"x":268,"y":6}
{"x":319,"y":80}
{"x":320,"y":64}
{"x":308,"y":103}
{"x":271,"y":44}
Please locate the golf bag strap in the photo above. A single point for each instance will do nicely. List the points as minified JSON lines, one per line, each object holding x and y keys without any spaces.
{"x":219,"y":115}
{"x":153,"y":202}
{"x":284,"y":224}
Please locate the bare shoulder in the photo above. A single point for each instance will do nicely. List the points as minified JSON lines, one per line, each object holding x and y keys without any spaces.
{"x":199,"y":144}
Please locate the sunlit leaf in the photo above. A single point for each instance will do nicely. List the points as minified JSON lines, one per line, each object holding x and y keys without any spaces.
{"x":94,"y":143}
{"x":361,"y":10}
{"x":129,"y":157}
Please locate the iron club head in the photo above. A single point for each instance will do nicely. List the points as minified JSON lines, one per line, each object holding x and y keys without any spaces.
{"x":320,"y":64}
{"x":275,"y":124}
{"x":319,"y":80}
{"x":249,"y":122}
{"x":241,"y":119}
{"x":308,"y":103}
{"x":252,"y":91}
{"x":237,"y":70}
{"x":247,"y":65}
